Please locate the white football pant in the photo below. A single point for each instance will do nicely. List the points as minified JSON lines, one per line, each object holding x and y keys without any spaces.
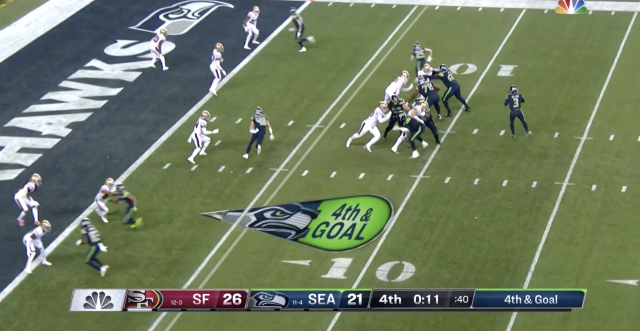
{"x":102,"y":208}
{"x":24,"y":205}
{"x":31,"y":246}
{"x":201,"y":143}
{"x":157,"y":55}
{"x":217,"y":76}
{"x":364,"y":128}
{"x":252,"y":30}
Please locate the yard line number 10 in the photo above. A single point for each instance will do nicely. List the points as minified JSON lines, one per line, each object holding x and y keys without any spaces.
{"x":340,"y":265}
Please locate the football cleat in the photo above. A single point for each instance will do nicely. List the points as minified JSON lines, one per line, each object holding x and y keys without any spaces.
{"x":425,"y":144}
{"x":103,"y":270}
{"x":303,"y":49}
{"x":415,"y":154}
{"x":348,"y":142}
{"x":311,"y":39}
{"x":366,"y":148}
{"x":191,"y":160}
{"x":246,"y":156}
{"x":259,"y":149}
{"x":45,"y":262}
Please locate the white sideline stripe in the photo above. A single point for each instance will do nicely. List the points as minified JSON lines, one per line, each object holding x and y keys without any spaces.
{"x":188,"y":116}
{"x":424,"y":169}
{"x":571,"y":167}
{"x":355,"y":79}
{"x":510,"y":4}
{"x":33,"y":25}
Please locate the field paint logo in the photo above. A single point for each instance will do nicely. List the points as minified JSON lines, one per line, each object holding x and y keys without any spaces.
{"x":179,"y":18}
{"x":334,"y":225}
{"x":571,"y":7}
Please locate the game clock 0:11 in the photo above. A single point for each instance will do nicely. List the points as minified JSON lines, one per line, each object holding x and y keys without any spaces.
{"x":421,"y":299}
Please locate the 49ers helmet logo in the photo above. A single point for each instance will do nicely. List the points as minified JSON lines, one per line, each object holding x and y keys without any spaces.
{"x":179,"y":18}
{"x":143,"y":299}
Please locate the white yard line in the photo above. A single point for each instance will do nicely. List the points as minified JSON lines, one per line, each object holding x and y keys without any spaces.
{"x":571,"y":167}
{"x":187,"y":117}
{"x":313,"y":127}
{"x":521,"y":4}
{"x":39,"y":21}
{"x":426,"y":166}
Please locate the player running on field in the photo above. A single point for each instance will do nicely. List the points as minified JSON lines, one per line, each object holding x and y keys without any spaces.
{"x":258,"y":129}
{"x":25,"y":201}
{"x":106,"y":190}
{"x":32,"y":241}
{"x":90,"y":236}
{"x":299,"y":29}
{"x":250,"y":26}
{"x":132,"y":207}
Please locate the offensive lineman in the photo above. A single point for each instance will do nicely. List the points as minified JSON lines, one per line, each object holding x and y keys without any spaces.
{"x":428,"y":89}
{"x":156,"y":48}
{"x":416,"y":128}
{"x":419,"y":112}
{"x":250,"y":27}
{"x":299,"y":29}
{"x":91,"y":236}
{"x":418,"y":54}
{"x":515,"y":100}
{"x":257,"y":127}
{"x":453,"y":88}
{"x":379,"y":115}
{"x":106,"y":190}
{"x":33,"y":240}
{"x":216,"y":68}
{"x":199,"y":136}
{"x":25,"y":201}
{"x":396,"y":106}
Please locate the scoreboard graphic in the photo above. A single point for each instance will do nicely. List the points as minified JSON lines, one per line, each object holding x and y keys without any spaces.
{"x":343,"y":300}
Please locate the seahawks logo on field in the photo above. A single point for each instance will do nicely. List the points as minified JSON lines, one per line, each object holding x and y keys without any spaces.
{"x":179,"y":18}
{"x":270,"y":299}
{"x":288,"y":221}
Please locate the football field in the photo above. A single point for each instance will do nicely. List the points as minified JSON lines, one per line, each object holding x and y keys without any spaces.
{"x":482,"y":210}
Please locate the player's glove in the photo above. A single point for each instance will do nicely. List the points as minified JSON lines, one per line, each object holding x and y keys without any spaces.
{"x":134,"y":209}
{"x":271,"y":137}
{"x":102,"y":247}
{"x":429,"y":58}
{"x":215,"y":131}
{"x":224,"y":73}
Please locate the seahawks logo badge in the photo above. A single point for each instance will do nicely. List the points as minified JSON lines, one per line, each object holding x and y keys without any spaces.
{"x":270,"y":299}
{"x":179,"y":18}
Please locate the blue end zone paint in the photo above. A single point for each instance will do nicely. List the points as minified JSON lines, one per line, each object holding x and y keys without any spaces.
{"x":127,"y":124}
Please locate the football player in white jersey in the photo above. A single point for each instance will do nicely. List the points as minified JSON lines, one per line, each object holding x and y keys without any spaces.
{"x":106,"y":190}
{"x":25,"y":201}
{"x":396,"y":86}
{"x":250,"y":26}
{"x":216,"y":68}
{"x":156,"y":48}
{"x":379,"y":115}
{"x":32,"y":241}
{"x":419,"y":112}
{"x":199,"y":136}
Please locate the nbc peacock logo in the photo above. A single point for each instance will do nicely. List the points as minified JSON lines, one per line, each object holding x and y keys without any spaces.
{"x":570,"y":7}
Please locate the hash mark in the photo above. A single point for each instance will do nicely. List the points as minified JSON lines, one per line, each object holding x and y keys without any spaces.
{"x":611,"y":137}
{"x":638,"y":138}
{"x":373,"y":4}
{"x":446,"y":180}
{"x":290,"y":123}
{"x":437,"y":7}
{"x":351,"y":5}
{"x":330,"y":3}
{"x":458,"y":8}
{"x":546,"y":10}
{"x":501,"y":9}
{"x":593,"y":187}
{"x":502,"y":133}
{"x":333,"y":174}
{"x":343,"y":124}
{"x":556,"y":134}
{"x":194,"y":167}
{"x":624,"y":189}
{"x":221,"y":168}
{"x":534,"y":184}
{"x":239,"y":120}
{"x":304,"y":173}
{"x":217,"y":143}
{"x":613,"y":13}
{"x":212,"y":119}
{"x":474,"y":131}
{"x":505,"y":182}
{"x":166,"y":166}
{"x":475,"y":182}
{"x":249,"y":170}
{"x":590,"y":12}
{"x":479,"y":9}
{"x":390,"y":176}
{"x":394,"y":6}
{"x":361,"y":176}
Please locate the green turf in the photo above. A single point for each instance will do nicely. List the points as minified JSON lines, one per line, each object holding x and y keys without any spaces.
{"x":457,"y":235}
{"x":12,"y":10}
